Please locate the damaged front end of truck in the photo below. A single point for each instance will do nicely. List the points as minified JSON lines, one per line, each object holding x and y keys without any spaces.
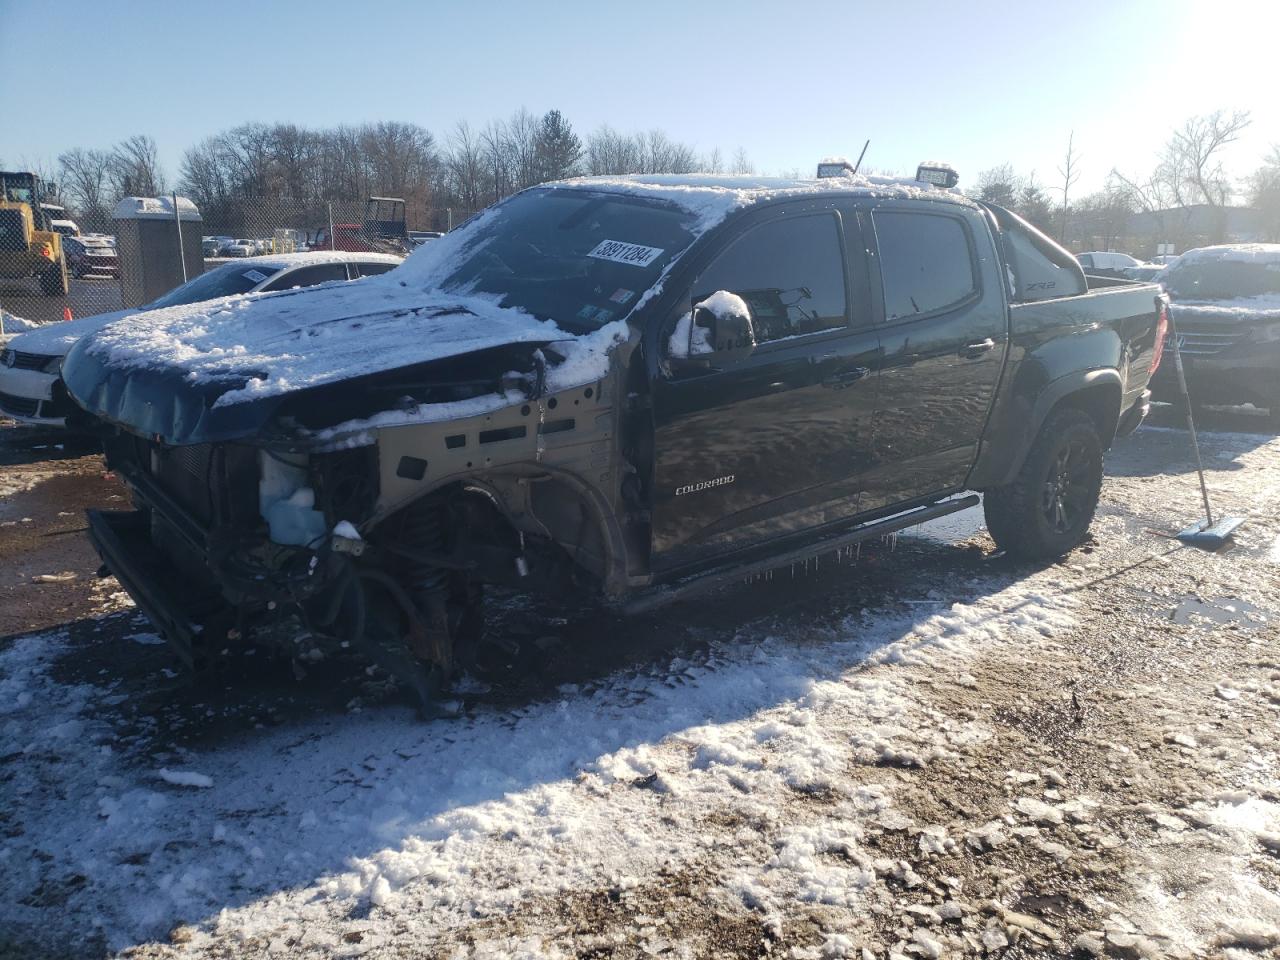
{"x":350,"y":466}
{"x":372,"y":533}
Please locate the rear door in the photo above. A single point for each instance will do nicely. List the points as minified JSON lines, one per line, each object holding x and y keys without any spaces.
{"x":775,"y":442}
{"x":943,"y":329}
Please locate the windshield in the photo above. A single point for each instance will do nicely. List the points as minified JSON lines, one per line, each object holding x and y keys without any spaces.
{"x":1221,"y":279}
{"x":225,"y":281}
{"x":576,"y":258}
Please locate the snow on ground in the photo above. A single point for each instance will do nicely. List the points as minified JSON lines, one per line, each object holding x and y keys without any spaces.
{"x":917,"y":772}
{"x":437,"y":824}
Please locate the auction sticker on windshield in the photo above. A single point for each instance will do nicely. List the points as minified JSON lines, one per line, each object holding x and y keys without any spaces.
{"x":254,"y":276}
{"x":637,"y":255}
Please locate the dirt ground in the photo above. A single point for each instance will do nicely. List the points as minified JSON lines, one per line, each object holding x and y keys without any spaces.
{"x":1075,"y":760}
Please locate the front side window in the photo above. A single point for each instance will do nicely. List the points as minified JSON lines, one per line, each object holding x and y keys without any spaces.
{"x":789,"y":272}
{"x":925,"y":262}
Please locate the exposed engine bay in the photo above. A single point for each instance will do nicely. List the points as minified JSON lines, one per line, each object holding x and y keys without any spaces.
{"x":316,"y":538}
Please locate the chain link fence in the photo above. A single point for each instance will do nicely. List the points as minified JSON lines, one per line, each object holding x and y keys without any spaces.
{"x":103,"y":269}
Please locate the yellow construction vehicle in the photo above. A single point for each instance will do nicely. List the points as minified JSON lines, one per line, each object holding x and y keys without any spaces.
{"x":29,"y":246}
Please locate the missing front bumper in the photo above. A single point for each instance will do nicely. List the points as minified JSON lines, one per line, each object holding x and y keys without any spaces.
{"x":123,"y":541}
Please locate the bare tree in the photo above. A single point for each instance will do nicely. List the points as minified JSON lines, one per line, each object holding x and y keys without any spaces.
{"x":85,"y":178}
{"x":741,"y":163}
{"x":1070,"y":173}
{"x":1189,"y":171}
{"x":135,"y":168}
{"x":466,"y":165}
{"x":1200,"y":143}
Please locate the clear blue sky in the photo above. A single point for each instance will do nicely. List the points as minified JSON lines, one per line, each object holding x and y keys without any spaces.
{"x":973,"y":83}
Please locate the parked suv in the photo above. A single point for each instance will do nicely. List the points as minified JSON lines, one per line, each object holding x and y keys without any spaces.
{"x":1226,"y":303}
{"x":31,"y":389}
{"x":638,"y":388}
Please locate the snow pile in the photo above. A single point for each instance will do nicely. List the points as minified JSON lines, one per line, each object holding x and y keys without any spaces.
{"x":11,"y":323}
{"x":184,"y":778}
{"x":434,"y":825}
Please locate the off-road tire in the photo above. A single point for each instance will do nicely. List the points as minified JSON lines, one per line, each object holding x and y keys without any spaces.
{"x":54,"y":282}
{"x":1023,"y":517}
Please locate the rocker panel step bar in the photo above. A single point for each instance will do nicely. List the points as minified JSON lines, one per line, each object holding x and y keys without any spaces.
{"x":713,"y":579}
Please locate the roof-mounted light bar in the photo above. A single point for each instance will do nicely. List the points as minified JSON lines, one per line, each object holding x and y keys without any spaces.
{"x":835,"y":167}
{"x":939,"y":174}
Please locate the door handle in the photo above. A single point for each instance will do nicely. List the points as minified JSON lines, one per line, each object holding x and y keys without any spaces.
{"x":971,"y":351}
{"x":846,"y":377}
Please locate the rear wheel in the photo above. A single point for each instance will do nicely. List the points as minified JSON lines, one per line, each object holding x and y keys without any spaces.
{"x":1047,"y":509}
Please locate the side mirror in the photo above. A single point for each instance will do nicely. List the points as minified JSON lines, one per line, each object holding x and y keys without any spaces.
{"x":730,"y":332}
{"x":717,"y":330}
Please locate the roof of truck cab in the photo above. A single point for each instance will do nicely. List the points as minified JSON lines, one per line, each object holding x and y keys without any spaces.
{"x":712,"y":197}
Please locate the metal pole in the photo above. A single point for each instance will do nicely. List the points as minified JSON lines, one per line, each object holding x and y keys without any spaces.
{"x":331,"y":246}
{"x":1191,"y":424}
{"x":182,"y":254}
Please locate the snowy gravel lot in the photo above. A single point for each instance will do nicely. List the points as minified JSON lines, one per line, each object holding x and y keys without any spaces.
{"x":921,"y":751}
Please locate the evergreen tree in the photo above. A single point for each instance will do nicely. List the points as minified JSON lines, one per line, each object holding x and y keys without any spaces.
{"x":558,"y":147}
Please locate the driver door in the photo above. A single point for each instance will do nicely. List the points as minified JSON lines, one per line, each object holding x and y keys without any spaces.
{"x":755,"y":447}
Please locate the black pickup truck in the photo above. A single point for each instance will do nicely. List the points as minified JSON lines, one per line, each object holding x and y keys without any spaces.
{"x":638,"y":387}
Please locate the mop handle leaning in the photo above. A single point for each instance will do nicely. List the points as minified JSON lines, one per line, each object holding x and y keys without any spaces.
{"x":1191,"y":424}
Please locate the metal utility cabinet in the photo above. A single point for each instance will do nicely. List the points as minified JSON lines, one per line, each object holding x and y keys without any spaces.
{"x":148,"y":248}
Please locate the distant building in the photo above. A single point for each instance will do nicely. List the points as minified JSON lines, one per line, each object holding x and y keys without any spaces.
{"x":1198,"y":225}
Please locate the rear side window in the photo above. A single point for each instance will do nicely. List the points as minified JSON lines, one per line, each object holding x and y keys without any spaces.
{"x":790,"y":272}
{"x":925,"y":262}
{"x":309,"y":276}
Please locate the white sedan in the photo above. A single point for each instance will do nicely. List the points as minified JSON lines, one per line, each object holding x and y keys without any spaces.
{"x":31,"y":389}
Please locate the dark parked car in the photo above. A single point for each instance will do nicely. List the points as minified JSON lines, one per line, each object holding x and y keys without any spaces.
{"x":1226,"y":303}
{"x":640,"y":388}
{"x":87,"y":256}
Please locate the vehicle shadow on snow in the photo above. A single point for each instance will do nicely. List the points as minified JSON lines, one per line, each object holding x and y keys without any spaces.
{"x":300,"y":791}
